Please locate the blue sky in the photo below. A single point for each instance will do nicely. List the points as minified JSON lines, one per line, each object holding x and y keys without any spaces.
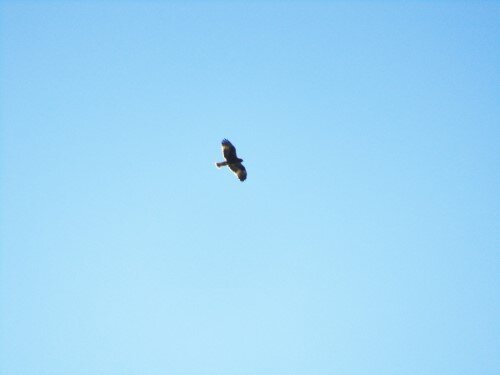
{"x":365,"y":240}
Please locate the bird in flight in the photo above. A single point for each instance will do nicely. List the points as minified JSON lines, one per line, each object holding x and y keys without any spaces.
{"x":232,"y":161}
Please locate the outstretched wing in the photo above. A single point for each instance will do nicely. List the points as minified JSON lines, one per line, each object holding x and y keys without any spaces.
{"x":239,"y":170}
{"x":228,"y":150}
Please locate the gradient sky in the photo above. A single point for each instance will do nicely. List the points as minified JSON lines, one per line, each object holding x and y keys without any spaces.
{"x":365,"y":240}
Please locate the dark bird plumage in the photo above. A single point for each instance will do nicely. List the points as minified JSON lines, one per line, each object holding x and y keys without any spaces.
{"x":232,"y":160}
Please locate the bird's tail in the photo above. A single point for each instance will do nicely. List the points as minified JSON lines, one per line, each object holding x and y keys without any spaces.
{"x":218,"y":165}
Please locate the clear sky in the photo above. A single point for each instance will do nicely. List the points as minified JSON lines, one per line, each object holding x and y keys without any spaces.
{"x":365,"y":240}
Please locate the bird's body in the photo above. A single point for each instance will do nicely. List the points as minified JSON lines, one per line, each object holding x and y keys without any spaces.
{"x":232,"y":160}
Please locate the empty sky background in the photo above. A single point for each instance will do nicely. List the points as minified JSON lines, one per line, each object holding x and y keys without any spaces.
{"x":365,"y":240}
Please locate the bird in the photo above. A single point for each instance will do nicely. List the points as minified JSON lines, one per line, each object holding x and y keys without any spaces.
{"x":232,"y":161}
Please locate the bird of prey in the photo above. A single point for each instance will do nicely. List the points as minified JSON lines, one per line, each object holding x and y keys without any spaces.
{"x":232,"y":161}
